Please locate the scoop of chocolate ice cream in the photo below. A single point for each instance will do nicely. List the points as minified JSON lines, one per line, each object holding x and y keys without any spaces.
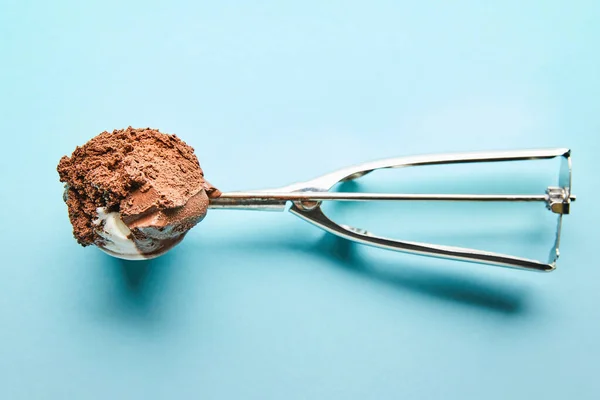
{"x":134,"y":193}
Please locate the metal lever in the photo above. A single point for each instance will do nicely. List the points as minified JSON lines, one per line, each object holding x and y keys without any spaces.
{"x":555,"y":198}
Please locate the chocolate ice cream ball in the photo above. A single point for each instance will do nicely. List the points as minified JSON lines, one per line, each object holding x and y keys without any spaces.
{"x":134,"y":193}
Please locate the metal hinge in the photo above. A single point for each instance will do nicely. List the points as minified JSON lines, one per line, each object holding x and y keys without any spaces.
{"x":559,"y":200}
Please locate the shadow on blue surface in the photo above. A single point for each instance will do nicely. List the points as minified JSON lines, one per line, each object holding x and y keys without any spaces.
{"x":423,"y":278}
{"x":139,"y":285}
{"x":135,"y":274}
{"x":471,"y":291}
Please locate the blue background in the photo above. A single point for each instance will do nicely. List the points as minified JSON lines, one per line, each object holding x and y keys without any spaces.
{"x":260,"y":306}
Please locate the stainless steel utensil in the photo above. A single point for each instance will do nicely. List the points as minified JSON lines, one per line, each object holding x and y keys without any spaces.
{"x":306,"y":199}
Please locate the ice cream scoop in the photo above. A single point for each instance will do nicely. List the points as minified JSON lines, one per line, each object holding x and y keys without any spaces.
{"x":135,"y":193}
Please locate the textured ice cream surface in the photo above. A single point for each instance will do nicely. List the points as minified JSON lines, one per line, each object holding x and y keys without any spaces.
{"x":135,"y":193}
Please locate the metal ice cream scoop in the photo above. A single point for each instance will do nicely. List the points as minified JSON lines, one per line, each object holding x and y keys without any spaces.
{"x":306,"y":199}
